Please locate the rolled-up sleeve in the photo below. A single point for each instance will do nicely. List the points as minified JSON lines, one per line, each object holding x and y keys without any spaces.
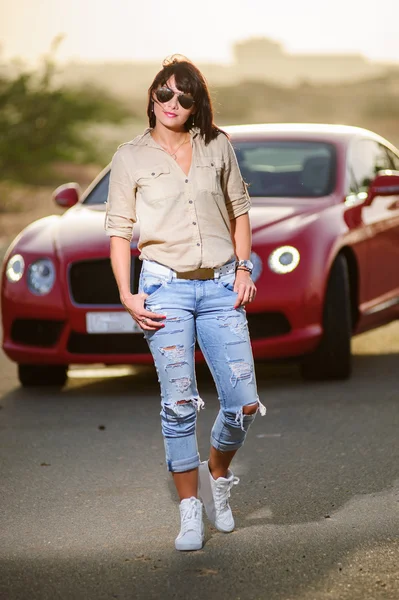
{"x":235,"y":189}
{"x":120,"y":214}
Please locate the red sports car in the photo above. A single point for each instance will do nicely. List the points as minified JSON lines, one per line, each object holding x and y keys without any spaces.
{"x":325,"y":225}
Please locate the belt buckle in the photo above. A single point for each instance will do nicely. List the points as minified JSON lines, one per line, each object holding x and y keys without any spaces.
{"x":226,"y":269}
{"x":201,"y":274}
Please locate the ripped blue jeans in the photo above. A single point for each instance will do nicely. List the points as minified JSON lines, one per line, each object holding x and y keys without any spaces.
{"x":202,"y":310}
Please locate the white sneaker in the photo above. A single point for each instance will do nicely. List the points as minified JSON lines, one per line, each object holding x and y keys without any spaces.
{"x":215,"y":494}
{"x":191,"y":536}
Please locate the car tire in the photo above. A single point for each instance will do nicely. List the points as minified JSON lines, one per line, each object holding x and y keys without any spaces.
{"x":43,"y":375}
{"x":332,"y":359}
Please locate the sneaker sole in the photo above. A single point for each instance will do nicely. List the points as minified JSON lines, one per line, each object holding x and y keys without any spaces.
{"x":224,"y":530}
{"x":188,"y":547}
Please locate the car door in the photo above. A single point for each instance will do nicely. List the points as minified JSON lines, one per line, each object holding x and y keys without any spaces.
{"x":381,"y":219}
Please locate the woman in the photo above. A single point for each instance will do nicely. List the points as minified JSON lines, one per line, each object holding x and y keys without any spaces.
{"x":181,"y":180}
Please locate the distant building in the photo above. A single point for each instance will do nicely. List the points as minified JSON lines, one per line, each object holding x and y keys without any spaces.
{"x":256,"y":59}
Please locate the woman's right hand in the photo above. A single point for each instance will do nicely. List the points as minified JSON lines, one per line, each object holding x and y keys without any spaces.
{"x":134,"y":304}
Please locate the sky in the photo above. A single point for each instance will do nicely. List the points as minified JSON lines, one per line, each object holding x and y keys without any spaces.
{"x":204,"y":30}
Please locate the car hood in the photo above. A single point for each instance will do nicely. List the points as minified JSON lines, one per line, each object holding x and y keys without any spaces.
{"x":81,"y":233}
{"x":81,"y":229}
{"x":283,"y":217}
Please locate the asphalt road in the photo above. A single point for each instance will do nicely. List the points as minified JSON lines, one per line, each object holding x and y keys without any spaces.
{"x":88,"y":510}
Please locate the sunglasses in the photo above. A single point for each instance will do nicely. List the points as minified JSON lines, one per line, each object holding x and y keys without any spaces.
{"x":164,"y":94}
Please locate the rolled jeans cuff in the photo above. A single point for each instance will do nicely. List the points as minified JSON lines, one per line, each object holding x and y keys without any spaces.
{"x":226,"y":447}
{"x":184,"y":464}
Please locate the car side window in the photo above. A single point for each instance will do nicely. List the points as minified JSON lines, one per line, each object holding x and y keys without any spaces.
{"x":394,"y":158}
{"x":352,"y":187}
{"x":99,"y":194}
{"x":367,"y":157}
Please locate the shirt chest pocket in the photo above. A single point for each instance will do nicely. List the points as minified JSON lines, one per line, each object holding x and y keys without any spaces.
{"x":209,"y":172}
{"x":156,"y":184}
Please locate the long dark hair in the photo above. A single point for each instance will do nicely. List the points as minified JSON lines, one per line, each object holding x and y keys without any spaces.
{"x":190,"y":80}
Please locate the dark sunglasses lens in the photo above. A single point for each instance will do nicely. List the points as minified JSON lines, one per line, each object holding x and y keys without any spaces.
{"x":164,"y":94}
{"x":186,"y":101}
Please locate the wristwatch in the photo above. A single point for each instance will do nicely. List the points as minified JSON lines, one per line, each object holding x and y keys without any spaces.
{"x":247,"y":264}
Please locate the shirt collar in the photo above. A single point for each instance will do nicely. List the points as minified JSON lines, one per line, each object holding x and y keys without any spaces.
{"x":145,"y":139}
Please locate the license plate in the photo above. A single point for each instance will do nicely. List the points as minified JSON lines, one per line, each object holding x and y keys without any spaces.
{"x":111,"y":322}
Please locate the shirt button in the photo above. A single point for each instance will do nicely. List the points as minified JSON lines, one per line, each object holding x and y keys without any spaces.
{"x":194,"y":222}
{"x":186,"y":180}
{"x":152,"y":174}
{"x":212,"y":165}
{"x":190,"y":201}
{"x":198,"y":244}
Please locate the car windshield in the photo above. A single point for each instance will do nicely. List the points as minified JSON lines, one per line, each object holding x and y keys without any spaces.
{"x":295,"y":169}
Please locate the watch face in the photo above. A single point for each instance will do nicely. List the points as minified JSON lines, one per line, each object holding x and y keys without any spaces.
{"x":246,"y":263}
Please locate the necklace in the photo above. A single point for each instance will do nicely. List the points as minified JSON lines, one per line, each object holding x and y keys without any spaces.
{"x":174,"y":153}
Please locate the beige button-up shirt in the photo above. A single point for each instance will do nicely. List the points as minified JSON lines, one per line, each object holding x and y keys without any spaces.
{"x":184,"y":219}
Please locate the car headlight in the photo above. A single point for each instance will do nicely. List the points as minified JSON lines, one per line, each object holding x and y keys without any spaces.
{"x":15,"y":268}
{"x":41,"y":276}
{"x":284,"y":259}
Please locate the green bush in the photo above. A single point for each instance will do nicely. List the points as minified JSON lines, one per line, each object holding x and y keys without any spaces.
{"x":41,"y":123}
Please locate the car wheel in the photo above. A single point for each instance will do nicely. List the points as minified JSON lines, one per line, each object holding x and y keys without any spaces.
{"x":332,"y":359}
{"x":43,"y":375}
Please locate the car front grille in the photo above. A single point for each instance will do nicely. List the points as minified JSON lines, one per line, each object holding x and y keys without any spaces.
{"x":107,"y":343}
{"x":36,"y":332}
{"x":92,"y":282}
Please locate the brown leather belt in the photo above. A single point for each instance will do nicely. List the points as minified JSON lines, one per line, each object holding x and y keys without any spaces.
{"x":197,"y":274}
{"x":202,"y":273}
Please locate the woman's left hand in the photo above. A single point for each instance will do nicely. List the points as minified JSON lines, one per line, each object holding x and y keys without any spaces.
{"x":245,"y":288}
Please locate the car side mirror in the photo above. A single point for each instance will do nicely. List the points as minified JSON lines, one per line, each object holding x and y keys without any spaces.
{"x":386,"y":183}
{"x":67,"y":195}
